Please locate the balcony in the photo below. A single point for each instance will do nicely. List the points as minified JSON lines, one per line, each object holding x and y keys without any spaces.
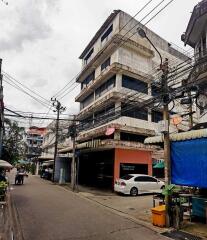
{"x":196,"y":24}
{"x":108,"y":48}
{"x":109,"y":97}
{"x":199,"y":71}
{"x":109,"y":72}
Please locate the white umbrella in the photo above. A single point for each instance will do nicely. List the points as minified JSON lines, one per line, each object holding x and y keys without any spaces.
{"x":5,"y":164}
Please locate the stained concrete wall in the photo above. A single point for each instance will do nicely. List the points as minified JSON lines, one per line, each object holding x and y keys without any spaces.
{"x":131,"y":156}
{"x":65,"y":163}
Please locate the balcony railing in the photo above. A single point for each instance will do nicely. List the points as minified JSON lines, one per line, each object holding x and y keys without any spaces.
{"x":199,"y":10}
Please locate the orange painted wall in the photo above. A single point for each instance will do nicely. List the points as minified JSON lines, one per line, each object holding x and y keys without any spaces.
{"x":131,"y":156}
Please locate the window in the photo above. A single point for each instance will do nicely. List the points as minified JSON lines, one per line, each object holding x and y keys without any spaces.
{"x":134,"y":84}
{"x":134,"y":111}
{"x":204,"y":44}
{"x":127,"y":177}
{"x":87,"y":101}
{"x":105,"y":64}
{"x":202,"y":108}
{"x":145,"y":179}
{"x":86,"y":123}
{"x":132,"y":137}
{"x":104,"y":114}
{"x":105,"y":87}
{"x":106,"y":34}
{"x":155,"y":91}
{"x":89,"y":55}
{"x":88,"y":79}
{"x":156,"y":116}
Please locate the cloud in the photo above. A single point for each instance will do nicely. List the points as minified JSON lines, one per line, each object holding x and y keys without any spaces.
{"x":29,"y":23}
{"x":40,"y":83}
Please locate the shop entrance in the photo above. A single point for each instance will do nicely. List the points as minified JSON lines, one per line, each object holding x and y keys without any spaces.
{"x":127,"y":168}
{"x":96,"y":169}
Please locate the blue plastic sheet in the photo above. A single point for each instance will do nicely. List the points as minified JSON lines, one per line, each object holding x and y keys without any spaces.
{"x":189,"y":162}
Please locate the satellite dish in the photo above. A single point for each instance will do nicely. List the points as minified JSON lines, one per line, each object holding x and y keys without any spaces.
{"x":176,"y":120}
{"x":109,"y":131}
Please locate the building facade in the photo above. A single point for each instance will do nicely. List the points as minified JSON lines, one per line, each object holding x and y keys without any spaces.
{"x":118,"y":71}
{"x":48,"y":148}
{"x":34,"y":141}
{"x":195,"y":36}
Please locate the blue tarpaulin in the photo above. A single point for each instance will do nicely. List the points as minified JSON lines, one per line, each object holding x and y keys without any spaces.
{"x":189,"y":162}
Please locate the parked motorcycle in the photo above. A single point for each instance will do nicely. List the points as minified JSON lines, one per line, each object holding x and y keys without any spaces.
{"x":19,"y":179}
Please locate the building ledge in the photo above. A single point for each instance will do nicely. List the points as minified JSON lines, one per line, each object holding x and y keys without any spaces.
{"x":109,"y":72}
{"x":110,"y":47}
{"x":110,"y":144}
{"x":109,"y":98}
{"x":196,"y":23}
{"x":100,"y":131}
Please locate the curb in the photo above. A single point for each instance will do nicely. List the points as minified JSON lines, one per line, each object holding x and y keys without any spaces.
{"x":15,"y":220}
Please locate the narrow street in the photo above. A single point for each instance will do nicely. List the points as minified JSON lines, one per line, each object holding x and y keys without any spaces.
{"x":49,"y":212}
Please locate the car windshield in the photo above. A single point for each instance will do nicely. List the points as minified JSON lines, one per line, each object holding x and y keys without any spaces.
{"x":127,"y":177}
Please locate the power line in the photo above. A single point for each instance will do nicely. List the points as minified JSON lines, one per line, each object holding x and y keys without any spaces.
{"x":130,"y":36}
{"x":137,"y":94}
{"x":66,"y":89}
{"x":117,"y":114}
{"x":22,"y":90}
{"x":28,"y":88}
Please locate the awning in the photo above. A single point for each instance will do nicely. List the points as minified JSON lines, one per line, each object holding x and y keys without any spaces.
{"x":43,"y":158}
{"x":48,"y":163}
{"x":5,"y":164}
{"x":89,"y":144}
{"x":68,"y":149}
{"x":21,"y":161}
{"x":159,"y":165}
{"x":193,"y":134}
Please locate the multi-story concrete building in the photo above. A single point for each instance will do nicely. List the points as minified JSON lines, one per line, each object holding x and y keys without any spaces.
{"x":34,"y":141}
{"x":118,"y":69}
{"x":48,"y":149}
{"x":195,"y":36}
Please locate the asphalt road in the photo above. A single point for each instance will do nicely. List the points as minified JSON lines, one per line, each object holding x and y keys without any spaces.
{"x":49,"y":212}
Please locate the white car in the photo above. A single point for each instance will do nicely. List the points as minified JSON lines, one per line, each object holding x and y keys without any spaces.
{"x":134,"y":184}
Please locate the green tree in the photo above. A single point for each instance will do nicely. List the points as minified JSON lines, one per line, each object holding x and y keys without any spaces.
{"x":13,"y":141}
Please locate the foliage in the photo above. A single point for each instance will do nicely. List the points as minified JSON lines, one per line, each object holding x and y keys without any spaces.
{"x":13,"y":141}
{"x":3,"y":185}
{"x":170,"y":189}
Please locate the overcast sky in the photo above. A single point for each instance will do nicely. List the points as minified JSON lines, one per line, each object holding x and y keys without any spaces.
{"x":41,"y":40}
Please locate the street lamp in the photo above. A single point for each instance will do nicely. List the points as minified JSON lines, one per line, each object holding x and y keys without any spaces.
{"x":143,"y":34}
{"x":164,"y":68}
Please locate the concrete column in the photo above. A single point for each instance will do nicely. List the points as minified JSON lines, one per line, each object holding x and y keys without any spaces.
{"x":149,"y":115}
{"x":117,"y":107}
{"x":117,"y":135}
{"x":118,"y":81}
{"x":37,"y":168}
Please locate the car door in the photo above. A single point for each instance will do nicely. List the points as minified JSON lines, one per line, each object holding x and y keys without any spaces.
{"x":146,"y":183}
{"x":140,"y":183}
{"x":152,"y":183}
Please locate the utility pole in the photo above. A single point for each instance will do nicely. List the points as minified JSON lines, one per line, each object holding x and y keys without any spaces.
{"x":166,"y":100}
{"x":72,"y":134}
{"x":190,"y":112}
{"x":59,"y":109}
{"x":1,"y":110}
{"x":164,"y":84}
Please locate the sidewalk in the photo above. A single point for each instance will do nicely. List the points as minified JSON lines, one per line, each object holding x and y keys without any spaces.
{"x":137,"y":209}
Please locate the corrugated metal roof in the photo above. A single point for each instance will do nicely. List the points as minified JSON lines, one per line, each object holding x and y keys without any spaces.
{"x":201,"y":133}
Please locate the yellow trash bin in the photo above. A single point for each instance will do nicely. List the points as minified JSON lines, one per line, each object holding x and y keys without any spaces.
{"x":158,"y":216}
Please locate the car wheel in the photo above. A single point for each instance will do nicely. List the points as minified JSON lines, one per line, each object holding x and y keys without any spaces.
{"x":163,"y":187}
{"x":134,"y":191}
